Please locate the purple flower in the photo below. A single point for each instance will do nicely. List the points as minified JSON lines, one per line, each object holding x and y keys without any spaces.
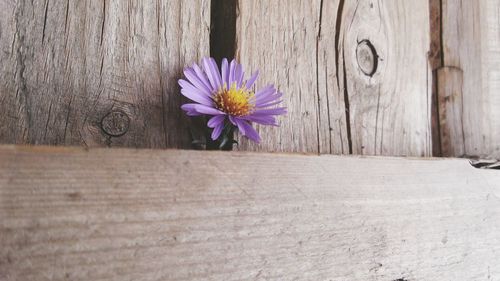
{"x":226,"y":97}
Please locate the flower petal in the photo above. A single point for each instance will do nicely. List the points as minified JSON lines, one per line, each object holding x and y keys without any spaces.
{"x":217,"y":131}
{"x":196,"y":81}
{"x":269,"y":98}
{"x":270,"y":111}
{"x":216,"y":121}
{"x":238,"y":75}
{"x":203,"y":77}
{"x":207,"y":110}
{"x":193,"y":93}
{"x":190,"y":87}
{"x":193,"y":113}
{"x":269,"y":104}
{"x":264,"y":93}
{"x":215,"y":69}
{"x":189,"y":108}
{"x":197,"y":97}
{"x":252,"y":79}
{"x":232,"y":120}
{"x":212,"y":73}
{"x":239,"y":123}
{"x":264,"y":119}
{"x":230,"y":78}
{"x":247,"y":130}
{"x":225,"y":72}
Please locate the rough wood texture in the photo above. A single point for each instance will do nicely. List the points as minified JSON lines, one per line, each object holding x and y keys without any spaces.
{"x":65,"y":65}
{"x":435,"y":62}
{"x":70,"y":214}
{"x":310,"y":50}
{"x":389,"y":109}
{"x":471,"y":39}
{"x":450,"y":100}
{"x":280,"y":38}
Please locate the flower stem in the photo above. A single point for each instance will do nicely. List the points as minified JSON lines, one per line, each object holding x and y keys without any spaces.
{"x":225,"y":140}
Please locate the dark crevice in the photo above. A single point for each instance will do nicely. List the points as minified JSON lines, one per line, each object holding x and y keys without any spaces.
{"x":66,"y":18}
{"x":338,"y":28}
{"x":376,"y":123}
{"x":347,"y":108}
{"x":223,"y":16}
{"x":103,"y":19}
{"x":318,"y":38}
{"x":436,"y":59}
{"x":223,"y":29}
{"x":45,"y":20}
{"x":337,"y":38}
{"x":441,"y":41}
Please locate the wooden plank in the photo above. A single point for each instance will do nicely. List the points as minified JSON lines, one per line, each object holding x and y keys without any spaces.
{"x":310,"y":50}
{"x":284,"y":40}
{"x":471,"y":40}
{"x":384,"y":47}
{"x":98,"y":214}
{"x":69,"y":65}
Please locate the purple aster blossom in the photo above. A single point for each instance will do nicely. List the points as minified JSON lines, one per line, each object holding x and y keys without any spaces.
{"x":227,"y":97}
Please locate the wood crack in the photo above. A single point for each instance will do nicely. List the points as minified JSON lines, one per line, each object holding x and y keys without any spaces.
{"x":45,"y":20}
{"x":67,"y":120}
{"x":347,"y":107}
{"x":437,"y":61}
{"x":103,"y":19}
{"x":376,"y":123}
{"x":318,"y":39}
{"x":338,"y":29}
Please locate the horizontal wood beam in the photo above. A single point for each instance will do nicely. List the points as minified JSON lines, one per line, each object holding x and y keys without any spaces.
{"x":124,"y":214}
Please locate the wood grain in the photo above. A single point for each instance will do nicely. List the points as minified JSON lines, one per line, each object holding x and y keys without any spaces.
{"x":104,"y":214}
{"x":309,"y":49}
{"x":471,"y":39}
{"x":389,"y":110}
{"x":281,"y":39}
{"x":450,"y":100}
{"x":65,"y":65}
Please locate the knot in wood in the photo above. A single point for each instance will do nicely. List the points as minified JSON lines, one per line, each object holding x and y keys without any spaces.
{"x":367,"y":57}
{"x":115,"y":123}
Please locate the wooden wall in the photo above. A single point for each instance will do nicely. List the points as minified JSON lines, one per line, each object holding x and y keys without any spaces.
{"x":357,"y":81}
{"x":357,"y":75}
{"x":97,"y":73}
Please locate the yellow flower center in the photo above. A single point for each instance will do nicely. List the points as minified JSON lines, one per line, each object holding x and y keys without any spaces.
{"x":234,"y":101}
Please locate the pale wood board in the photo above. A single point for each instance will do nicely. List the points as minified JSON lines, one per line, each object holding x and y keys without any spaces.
{"x":104,"y":214}
{"x":308,"y":49}
{"x":471,"y":40}
{"x":66,"y":64}
{"x":280,"y":38}
{"x":390,"y":111}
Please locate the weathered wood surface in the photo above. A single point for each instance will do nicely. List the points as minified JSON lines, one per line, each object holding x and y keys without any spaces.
{"x":280,"y":38}
{"x":65,"y":65}
{"x":73,"y":214}
{"x":450,"y":101}
{"x":471,"y":41}
{"x":342,"y":97}
{"x":389,"y":109}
